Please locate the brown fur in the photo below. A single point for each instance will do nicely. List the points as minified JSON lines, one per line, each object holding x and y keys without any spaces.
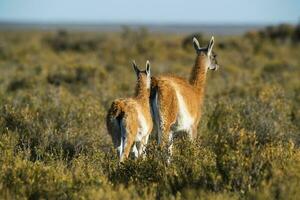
{"x":127,"y":110}
{"x":192,"y":92}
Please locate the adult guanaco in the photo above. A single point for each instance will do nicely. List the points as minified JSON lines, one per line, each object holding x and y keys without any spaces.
{"x":176,"y":103}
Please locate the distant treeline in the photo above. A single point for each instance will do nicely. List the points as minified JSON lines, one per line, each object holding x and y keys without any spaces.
{"x":63,"y":41}
{"x":282,"y":33}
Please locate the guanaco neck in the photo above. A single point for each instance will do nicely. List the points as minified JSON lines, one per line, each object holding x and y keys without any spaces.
{"x":142,"y":93}
{"x":198,"y":75}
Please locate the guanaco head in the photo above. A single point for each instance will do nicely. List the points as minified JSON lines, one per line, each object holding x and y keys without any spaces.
{"x":143,"y":76}
{"x":207,"y":53}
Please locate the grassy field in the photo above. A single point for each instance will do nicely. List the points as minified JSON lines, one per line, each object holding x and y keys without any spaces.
{"x":55,"y":89}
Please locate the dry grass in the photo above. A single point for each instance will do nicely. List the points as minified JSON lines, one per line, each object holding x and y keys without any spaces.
{"x":55,"y":89}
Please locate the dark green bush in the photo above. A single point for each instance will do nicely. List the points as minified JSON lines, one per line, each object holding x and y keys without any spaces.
{"x":63,"y":41}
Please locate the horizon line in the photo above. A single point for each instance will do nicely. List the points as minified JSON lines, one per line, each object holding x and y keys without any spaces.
{"x":170,"y":23}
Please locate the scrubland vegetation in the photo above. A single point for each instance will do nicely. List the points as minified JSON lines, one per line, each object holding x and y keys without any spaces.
{"x":55,"y":89}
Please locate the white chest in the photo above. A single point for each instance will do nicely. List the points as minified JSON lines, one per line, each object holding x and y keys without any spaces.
{"x":184,"y":120}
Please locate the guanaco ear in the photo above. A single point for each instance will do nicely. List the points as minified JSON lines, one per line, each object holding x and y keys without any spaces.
{"x":210,"y":45}
{"x":148,"y":67}
{"x":196,"y":43}
{"x":135,"y":67}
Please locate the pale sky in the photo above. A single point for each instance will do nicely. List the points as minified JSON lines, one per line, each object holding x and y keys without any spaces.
{"x":151,"y":11}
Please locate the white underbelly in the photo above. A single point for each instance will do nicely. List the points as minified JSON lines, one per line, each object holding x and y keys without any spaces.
{"x":184,"y":119}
